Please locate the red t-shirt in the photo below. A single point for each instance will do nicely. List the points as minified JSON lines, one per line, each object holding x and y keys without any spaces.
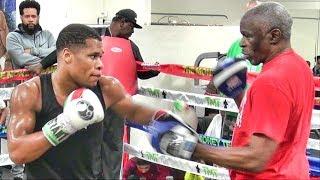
{"x":279,"y":105}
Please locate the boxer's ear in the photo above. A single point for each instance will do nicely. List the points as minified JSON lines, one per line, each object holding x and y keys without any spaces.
{"x":67,"y":55}
{"x":275,"y":35}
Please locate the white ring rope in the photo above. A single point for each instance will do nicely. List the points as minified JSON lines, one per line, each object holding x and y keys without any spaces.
{"x":178,"y":163}
{"x":213,"y":102}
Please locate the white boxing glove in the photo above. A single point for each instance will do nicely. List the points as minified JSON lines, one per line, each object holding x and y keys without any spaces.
{"x":81,"y":108}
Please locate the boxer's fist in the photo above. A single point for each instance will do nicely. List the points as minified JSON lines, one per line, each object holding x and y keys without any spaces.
{"x":81,"y":108}
{"x":170,"y":135}
{"x":230,"y":76}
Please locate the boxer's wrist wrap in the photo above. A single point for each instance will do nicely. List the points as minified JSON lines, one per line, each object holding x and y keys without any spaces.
{"x":57,"y":130}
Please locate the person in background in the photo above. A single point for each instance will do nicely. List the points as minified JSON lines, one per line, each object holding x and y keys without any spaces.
{"x":316,"y":68}
{"x":3,"y":34}
{"x":122,"y":26}
{"x":140,"y":169}
{"x":29,"y":44}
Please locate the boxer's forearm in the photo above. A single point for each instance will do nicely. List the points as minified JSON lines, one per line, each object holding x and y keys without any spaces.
{"x":134,"y":112}
{"x":232,"y":158}
{"x":27,"y":148}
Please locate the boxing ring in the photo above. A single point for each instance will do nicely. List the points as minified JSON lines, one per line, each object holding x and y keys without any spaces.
{"x":197,"y":100}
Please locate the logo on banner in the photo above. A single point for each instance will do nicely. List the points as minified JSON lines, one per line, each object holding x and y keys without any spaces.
{"x":210,"y":171}
{"x":198,"y":70}
{"x":213,"y":102}
{"x":153,"y":92}
{"x":225,"y":103}
{"x":116,"y":49}
{"x":164,"y":94}
{"x":198,"y":169}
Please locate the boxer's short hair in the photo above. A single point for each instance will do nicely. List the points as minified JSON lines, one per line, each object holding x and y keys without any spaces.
{"x":75,"y":36}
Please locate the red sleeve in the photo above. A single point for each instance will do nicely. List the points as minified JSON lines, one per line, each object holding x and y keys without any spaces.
{"x":128,"y":168}
{"x":163,"y":172}
{"x":270,"y":110}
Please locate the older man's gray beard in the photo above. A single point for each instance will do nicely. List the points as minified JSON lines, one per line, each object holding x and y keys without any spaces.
{"x":29,"y":30}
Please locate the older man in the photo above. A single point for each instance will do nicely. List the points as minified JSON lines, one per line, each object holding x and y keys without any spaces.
{"x":273,"y":126}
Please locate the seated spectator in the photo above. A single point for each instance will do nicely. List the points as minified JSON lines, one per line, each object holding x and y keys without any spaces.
{"x":5,"y":62}
{"x":29,"y":44}
{"x":137,"y":168}
{"x":316,"y":68}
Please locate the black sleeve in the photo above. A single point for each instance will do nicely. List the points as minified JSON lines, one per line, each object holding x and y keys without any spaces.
{"x":49,"y":60}
{"x":138,"y":57}
{"x":136,"y":52}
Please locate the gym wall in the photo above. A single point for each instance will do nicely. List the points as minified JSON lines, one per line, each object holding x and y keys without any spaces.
{"x":57,"y":14}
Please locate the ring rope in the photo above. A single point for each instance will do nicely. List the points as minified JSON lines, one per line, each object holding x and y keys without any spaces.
{"x":212,"y":102}
{"x":202,"y":73}
{"x":178,"y":163}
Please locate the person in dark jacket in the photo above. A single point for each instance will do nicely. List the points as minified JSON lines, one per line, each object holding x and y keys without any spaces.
{"x":122,"y":26}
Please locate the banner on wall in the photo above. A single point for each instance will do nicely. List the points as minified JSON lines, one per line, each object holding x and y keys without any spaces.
{"x":9,"y":9}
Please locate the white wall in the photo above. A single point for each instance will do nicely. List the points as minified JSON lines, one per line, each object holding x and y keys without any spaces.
{"x":57,"y":14}
{"x":231,"y":8}
{"x":181,"y":45}
{"x":304,"y":34}
{"x":141,"y":7}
